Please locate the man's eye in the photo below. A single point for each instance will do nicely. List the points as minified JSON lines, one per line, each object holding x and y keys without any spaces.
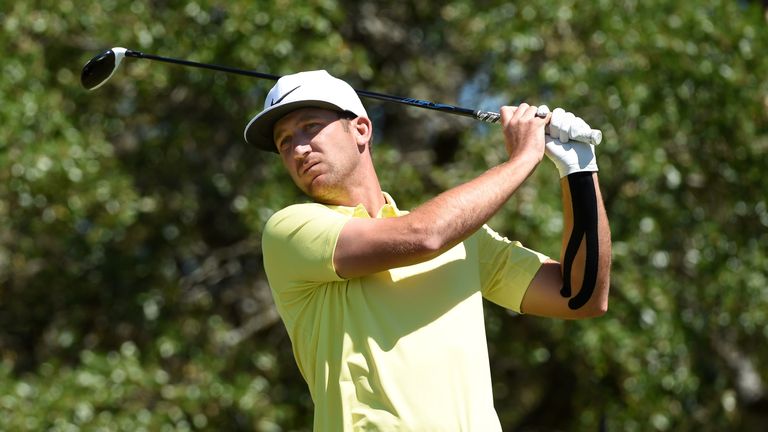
{"x":284,"y":143}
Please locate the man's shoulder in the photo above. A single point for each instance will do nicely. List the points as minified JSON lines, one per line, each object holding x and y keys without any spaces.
{"x":300,"y":210}
{"x":288,"y":219}
{"x":298,"y":243}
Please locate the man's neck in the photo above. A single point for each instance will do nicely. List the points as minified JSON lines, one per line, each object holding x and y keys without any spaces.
{"x":370,"y":196}
{"x":361,"y":187}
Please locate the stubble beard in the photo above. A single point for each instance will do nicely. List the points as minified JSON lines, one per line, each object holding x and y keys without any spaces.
{"x":325,"y":187}
{"x":331,"y":186}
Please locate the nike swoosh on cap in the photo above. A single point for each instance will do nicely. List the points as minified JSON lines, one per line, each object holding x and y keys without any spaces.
{"x":275,"y":102}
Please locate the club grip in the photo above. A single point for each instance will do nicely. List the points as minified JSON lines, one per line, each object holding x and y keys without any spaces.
{"x":590,"y":136}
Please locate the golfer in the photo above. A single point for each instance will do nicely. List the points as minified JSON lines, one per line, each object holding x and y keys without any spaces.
{"x":384,"y":306}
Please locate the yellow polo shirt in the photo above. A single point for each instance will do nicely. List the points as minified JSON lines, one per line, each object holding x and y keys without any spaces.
{"x":403,"y":349}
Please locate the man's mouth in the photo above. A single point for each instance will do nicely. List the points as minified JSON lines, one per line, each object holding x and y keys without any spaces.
{"x":307,"y":166}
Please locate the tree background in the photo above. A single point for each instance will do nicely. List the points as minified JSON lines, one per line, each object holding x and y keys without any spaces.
{"x":132,"y":293}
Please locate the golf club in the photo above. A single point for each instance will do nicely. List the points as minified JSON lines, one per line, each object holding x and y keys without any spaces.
{"x":100,"y":69}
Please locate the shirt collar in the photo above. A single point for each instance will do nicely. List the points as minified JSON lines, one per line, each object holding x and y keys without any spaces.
{"x":389,"y":209}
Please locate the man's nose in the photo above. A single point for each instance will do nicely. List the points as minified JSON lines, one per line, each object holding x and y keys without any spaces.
{"x":302,"y":149}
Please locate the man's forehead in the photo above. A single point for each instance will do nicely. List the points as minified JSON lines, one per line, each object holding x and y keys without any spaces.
{"x":300,"y":115}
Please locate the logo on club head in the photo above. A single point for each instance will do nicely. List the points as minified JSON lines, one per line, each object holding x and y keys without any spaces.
{"x":275,"y":102}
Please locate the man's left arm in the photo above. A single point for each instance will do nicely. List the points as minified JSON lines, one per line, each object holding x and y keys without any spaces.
{"x":577,"y":286}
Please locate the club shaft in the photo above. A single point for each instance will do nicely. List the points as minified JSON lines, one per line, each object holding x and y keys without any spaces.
{"x":476,"y":114}
{"x":137,"y":54}
{"x":592,"y":137}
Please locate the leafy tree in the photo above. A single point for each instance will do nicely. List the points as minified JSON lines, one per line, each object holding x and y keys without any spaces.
{"x":132,"y":294}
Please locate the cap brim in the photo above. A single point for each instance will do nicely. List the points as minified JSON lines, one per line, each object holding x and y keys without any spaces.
{"x":258,"y":132}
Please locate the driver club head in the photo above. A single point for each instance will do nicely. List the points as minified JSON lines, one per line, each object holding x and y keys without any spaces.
{"x":100,"y":69}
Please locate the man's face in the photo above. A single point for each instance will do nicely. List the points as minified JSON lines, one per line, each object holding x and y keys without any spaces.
{"x":319,"y":150}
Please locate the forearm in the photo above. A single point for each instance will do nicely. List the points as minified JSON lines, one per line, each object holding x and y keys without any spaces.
{"x":368,"y":246}
{"x":586,"y":252}
{"x":456,"y":213}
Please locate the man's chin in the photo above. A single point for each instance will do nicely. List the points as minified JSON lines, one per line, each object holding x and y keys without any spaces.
{"x":319,"y":189}
{"x":314,"y":187}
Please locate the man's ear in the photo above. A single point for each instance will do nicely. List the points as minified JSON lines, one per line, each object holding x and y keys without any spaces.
{"x":363,"y":130}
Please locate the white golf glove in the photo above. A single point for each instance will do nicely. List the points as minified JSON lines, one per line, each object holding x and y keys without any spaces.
{"x":568,"y":156}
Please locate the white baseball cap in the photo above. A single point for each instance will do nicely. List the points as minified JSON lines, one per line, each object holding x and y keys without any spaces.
{"x":304,"y":89}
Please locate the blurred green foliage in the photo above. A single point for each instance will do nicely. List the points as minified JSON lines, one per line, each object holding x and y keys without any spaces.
{"x":132,"y":294}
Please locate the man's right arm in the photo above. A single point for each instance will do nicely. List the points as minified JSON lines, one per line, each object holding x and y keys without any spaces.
{"x":367,"y":246}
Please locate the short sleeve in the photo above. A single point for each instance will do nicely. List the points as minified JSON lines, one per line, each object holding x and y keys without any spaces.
{"x":298,"y":244}
{"x":506,"y":268}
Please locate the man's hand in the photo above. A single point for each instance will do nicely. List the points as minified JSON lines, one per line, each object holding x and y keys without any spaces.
{"x":568,"y":156}
{"x":523,"y":132}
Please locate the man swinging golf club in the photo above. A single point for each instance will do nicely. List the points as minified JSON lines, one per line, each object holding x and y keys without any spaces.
{"x":384,"y":306}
